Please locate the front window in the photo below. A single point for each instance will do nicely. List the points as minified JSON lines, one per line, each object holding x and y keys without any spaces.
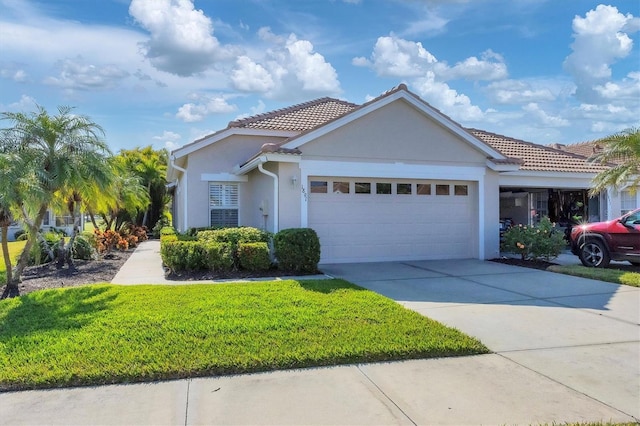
{"x":628,"y":202}
{"x":223,"y":204}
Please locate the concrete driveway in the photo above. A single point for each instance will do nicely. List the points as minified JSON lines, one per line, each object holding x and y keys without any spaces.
{"x":580,"y":333}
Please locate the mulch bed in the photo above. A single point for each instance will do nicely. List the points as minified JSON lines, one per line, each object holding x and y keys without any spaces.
{"x":534,"y":264}
{"x":48,"y":276}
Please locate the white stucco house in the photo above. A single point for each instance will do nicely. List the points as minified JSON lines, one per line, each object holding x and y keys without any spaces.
{"x":50,"y":221}
{"x":392,"y":179}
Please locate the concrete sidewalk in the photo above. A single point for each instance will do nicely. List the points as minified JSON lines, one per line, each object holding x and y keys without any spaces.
{"x":566,"y":350}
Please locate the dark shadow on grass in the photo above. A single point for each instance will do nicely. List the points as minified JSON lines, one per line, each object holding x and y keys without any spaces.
{"x":327,"y":286}
{"x":55,"y":310}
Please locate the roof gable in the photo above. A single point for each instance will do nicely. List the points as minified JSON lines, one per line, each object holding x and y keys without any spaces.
{"x":400,"y":92}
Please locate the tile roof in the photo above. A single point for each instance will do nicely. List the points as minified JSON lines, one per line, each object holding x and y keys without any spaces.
{"x":538,"y":157}
{"x":532,"y":157}
{"x":299,"y":117}
{"x":586,"y":149}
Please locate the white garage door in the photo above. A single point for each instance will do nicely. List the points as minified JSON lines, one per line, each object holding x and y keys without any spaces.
{"x":364,"y":220}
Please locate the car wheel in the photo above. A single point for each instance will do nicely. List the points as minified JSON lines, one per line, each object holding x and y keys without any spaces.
{"x":594,"y":254}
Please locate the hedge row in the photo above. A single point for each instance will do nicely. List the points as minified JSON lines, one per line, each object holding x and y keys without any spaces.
{"x":244,"y":248}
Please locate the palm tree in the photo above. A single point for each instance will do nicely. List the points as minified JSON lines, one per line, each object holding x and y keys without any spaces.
{"x":622,"y":152}
{"x":58,"y":152}
{"x":151,"y":166}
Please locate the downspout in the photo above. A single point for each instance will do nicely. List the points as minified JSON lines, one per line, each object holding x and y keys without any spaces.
{"x":275,"y":192}
{"x":186,"y":181}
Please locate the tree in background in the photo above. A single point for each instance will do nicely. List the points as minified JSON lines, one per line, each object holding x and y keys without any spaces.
{"x":622,"y":151}
{"x":125,"y":198}
{"x":56,"y":154}
{"x":151,"y":167}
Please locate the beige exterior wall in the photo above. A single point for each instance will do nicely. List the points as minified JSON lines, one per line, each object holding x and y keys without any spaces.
{"x":395,"y":133}
{"x":259,"y":196}
{"x":290,"y":195}
{"x":220,"y":157}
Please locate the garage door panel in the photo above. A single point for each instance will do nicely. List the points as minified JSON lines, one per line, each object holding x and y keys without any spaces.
{"x":375,"y":227}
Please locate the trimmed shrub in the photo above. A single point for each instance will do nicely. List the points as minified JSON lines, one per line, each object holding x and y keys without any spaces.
{"x":254,"y":256}
{"x":182,"y":255}
{"x":535,"y":242}
{"x":168,"y":230}
{"x":297,"y":249}
{"x":218,"y":257}
{"x":243,"y":234}
{"x":234,"y":236}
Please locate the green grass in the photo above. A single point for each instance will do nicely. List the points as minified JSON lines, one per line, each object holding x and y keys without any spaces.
{"x":111,"y":334}
{"x":616,"y":276}
{"x":15,"y":248}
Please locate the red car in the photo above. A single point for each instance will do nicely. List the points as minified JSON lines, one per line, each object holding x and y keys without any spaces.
{"x":599,"y":243}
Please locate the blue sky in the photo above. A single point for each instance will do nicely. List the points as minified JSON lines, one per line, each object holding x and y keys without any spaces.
{"x":166,"y":72}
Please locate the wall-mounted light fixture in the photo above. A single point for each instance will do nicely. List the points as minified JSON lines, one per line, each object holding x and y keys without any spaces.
{"x":294,"y":180}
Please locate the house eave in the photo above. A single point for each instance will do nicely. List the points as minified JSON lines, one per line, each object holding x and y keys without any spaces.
{"x":502,"y":167}
{"x":245,"y":168}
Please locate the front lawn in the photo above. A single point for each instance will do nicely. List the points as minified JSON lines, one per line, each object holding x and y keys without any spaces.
{"x":15,"y":248}
{"x":111,"y":334}
{"x":616,"y":276}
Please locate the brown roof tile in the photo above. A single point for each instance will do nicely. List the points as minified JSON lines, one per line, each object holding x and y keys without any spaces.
{"x":532,"y":157}
{"x":538,"y":157}
{"x":299,"y":117}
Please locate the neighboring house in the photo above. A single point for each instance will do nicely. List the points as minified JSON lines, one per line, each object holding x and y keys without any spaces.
{"x":64,"y":223}
{"x":392,"y":179}
{"x":629,"y":200}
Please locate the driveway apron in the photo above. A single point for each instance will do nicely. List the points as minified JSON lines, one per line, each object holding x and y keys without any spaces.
{"x":580,"y":333}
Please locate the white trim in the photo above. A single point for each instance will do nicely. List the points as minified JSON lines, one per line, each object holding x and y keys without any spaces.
{"x":389,"y":170}
{"x":544,"y":181}
{"x":223,"y":134}
{"x":423,"y":107}
{"x":498,"y":167}
{"x":263,"y":158}
{"x":481,"y":217}
{"x":222,"y":177}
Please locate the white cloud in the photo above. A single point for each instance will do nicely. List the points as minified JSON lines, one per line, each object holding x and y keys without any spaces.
{"x":182,"y":40}
{"x":249,"y":76}
{"x":13,"y":72}
{"x":430,"y":24}
{"x":77,"y":74}
{"x":396,"y":57}
{"x":518,"y":92}
{"x":289,"y":68}
{"x":448,"y":100}
{"x":169,"y":139}
{"x":626,"y":89}
{"x":600,"y":39}
{"x":26,"y":103}
{"x":491,"y":66}
{"x":203,"y":106}
{"x":545,"y":120}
